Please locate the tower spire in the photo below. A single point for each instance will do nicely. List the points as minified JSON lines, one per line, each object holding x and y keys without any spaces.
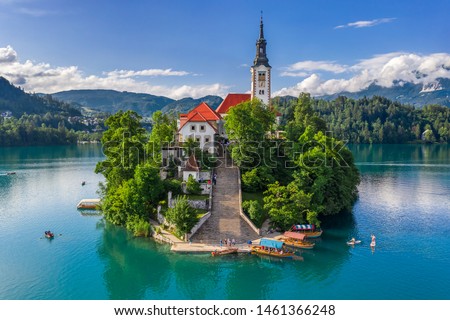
{"x":261,"y":80}
{"x":261,"y":57}
{"x":261,"y":27}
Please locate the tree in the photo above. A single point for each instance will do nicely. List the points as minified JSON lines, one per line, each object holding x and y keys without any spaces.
{"x":254,"y":210}
{"x":133,"y":185}
{"x":326,"y":170}
{"x":247,"y":125}
{"x":286,"y":205}
{"x":123,"y":146}
{"x":163,"y":132}
{"x":182,"y":216}
{"x":304,"y":116}
{"x":257,"y":179}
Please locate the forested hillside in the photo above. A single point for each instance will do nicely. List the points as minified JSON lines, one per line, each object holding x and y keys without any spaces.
{"x":376,"y":119}
{"x":28,"y":119}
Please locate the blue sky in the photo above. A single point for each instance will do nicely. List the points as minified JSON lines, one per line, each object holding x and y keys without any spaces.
{"x":180,"y":48}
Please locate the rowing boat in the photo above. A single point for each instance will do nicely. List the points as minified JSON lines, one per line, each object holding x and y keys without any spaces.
{"x":296,"y":240}
{"x":270,"y":252}
{"x":223,"y":252}
{"x":309,"y":230}
{"x":273,"y":248}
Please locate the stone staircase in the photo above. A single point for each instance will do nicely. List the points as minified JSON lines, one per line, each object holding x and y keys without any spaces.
{"x":225,"y":221}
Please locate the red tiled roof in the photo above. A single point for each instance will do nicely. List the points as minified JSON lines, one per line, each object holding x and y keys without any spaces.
{"x":192,"y":164}
{"x":231,"y":100}
{"x":200,"y":113}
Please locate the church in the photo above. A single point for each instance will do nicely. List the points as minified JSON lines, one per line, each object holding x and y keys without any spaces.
{"x":205,"y":125}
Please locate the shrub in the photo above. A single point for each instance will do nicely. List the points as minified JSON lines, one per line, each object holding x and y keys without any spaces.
{"x":193,"y":186}
{"x":139,"y":226}
{"x":182,"y":216}
{"x":254,"y":210}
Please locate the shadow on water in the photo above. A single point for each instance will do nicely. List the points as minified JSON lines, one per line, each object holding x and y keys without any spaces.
{"x":133,"y":265}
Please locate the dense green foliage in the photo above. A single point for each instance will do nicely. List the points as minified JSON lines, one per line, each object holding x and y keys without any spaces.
{"x":162,"y":134}
{"x":375,"y":120}
{"x":305,"y":177}
{"x":18,"y":102}
{"x":48,"y":129}
{"x":247,"y":125}
{"x":254,"y":210}
{"x":182,"y":216}
{"x":193,"y":186}
{"x":286,"y":204}
{"x":133,"y":186}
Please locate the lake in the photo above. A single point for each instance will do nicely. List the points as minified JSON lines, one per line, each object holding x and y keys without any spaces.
{"x":404,"y":199}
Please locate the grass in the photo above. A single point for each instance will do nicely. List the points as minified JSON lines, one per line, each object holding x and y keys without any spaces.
{"x":201,"y":213}
{"x":197,"y":196}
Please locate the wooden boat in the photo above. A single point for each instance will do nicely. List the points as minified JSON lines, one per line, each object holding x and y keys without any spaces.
{"x":297,"y":240}
{"x":91,"y":204}
{"x":271,"y":252}
{"x":224,"y":252}
{"x":49,"y":234}
{"x":309,"y":230}
{"x":273,"y":248}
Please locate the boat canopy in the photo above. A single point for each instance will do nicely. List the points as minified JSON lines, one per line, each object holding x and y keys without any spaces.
{"x":303,"y":227}
{"x":295,"y":235}
{"x":271,"y":243}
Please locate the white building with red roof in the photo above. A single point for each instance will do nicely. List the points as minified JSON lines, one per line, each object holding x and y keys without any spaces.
{"x":201,"y":124}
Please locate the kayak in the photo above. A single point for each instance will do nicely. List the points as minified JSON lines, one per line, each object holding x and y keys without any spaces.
{"x":350,"y":243}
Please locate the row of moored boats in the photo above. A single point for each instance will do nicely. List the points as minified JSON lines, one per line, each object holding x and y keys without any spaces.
{"x":282,"y":246}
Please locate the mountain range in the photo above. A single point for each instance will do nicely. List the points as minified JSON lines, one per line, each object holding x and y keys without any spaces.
{"x":17,"y":101}
{"x":418,"y":95}
{"x":112,"y":101}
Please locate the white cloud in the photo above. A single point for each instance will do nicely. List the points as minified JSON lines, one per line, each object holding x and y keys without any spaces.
{"x":44,"y":78}
{"x":365,"y":23}
{"x":384,"y":70}
{"x":7,"y":55}
{"x":146,"y":73}
{"x":298,"y":69}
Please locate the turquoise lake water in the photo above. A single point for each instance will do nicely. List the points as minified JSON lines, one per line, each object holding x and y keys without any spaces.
{"x":404,"y":200}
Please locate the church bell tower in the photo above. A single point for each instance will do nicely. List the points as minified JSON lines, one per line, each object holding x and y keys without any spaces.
{"x":260,"y":70}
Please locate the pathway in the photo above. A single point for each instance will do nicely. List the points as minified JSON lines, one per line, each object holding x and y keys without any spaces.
{"x":225,"y":221}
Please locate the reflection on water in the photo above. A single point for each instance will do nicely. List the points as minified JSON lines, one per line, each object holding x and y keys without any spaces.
{"x":403,"y":199}
{"x":132,"y":266}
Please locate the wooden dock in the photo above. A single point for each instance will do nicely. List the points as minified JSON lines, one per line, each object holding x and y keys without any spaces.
{"x":91,"y":204}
